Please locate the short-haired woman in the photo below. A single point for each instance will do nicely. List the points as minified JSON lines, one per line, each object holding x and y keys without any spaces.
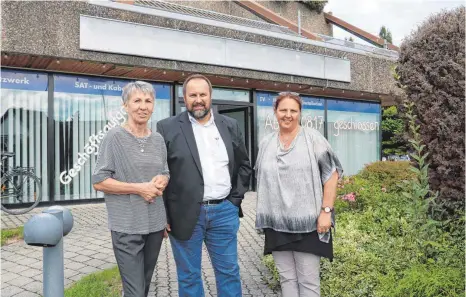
{"x":297,"y":175}
{"x":132,"y":172}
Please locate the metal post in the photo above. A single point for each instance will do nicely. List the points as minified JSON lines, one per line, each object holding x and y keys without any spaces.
{"x":51,"y":153}
{"x":47,"y":230}
{"x":53,"y":264}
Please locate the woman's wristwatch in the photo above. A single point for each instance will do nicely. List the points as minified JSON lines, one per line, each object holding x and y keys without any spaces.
{"x":327,"y":209}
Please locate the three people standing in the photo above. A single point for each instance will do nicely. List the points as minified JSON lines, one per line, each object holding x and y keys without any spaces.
{"x":198,"y":161}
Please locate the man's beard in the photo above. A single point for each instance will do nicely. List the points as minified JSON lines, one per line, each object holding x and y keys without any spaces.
{"x":199,"y":114}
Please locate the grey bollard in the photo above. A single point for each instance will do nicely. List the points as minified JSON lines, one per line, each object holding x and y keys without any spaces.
{"x":47,"y":230}
{"x":68,"y":220}
{"x":53,"y":264}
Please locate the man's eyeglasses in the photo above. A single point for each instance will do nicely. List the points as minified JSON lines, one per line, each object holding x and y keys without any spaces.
{"x":288,"y":93}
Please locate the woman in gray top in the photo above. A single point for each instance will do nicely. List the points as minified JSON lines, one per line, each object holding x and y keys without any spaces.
{"x":132,"y":172}
{"x":297,"y":175}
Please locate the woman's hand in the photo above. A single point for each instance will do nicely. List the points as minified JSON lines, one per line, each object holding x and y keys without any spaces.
{"x":324,"y":222}
{"x":167,"y":229}
{"x":160,"y":182}
{"x":149,"y":191}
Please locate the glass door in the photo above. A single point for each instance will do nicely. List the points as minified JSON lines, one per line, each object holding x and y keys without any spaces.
{"x":240,"y":114}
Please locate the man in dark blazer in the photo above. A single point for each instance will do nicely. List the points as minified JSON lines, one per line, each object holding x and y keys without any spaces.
{"x":209,"y":175}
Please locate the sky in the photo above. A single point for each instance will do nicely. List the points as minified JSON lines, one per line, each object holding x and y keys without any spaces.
{"x":399,"y":16}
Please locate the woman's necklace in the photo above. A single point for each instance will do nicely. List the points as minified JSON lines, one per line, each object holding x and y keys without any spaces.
{"x":286,"y":141}
{"x":141,"y":140}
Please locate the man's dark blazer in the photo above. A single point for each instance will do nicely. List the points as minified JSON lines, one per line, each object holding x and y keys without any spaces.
{"x":185,"y":190}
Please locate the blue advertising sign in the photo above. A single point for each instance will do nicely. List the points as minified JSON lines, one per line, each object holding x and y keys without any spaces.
{"x":23,"y":80}
{"x":353,"y":106}
{"x":267,"y":99}
{"x":313,"y":103}
{"x":101,"y":86}
{"x":310,"y":102}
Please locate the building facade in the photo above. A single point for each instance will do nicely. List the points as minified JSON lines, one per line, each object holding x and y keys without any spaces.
{"x":64,"y":65}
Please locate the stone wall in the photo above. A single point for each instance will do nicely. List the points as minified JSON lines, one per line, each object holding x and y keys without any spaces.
{"x":310,"y":20}
{"x":225,"y":7}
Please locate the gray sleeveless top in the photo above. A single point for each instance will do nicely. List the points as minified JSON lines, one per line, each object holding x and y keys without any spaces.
{"x":290,"y":182}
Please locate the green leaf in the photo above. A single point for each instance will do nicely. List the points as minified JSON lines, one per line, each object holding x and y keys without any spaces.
{"x":432,"y":243}
{"x":407,"y":195}
{"x":415,"y":157}
{"x":424,"y":171}
{"x":424,"y":156}
{"x":415,"y":170}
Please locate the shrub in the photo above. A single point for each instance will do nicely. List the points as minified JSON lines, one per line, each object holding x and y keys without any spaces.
{"x":388,"y":174}
{"x":431,"y":71}
{"x":375,"y":184}
{"x":425,"y":281}
{"x":315,"y":5}
{"x":392,"y":132}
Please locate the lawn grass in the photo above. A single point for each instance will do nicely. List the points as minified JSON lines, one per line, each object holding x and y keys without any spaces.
{"x":11,"y":235}
{"x":105,"y":283}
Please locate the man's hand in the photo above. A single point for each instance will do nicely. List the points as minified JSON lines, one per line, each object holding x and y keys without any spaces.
{"x":160,"y":182}
{"x":167,"y":229}
{"x":149,"y":191}
{"x":324,"y":222}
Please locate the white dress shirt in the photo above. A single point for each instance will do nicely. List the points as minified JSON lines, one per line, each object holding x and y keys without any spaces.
{"x":214,"y":159}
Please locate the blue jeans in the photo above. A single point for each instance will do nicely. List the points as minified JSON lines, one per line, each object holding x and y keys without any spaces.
{"x":217,"y":226}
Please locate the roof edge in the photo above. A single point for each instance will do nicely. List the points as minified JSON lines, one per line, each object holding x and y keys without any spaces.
{"x":390,"y":55}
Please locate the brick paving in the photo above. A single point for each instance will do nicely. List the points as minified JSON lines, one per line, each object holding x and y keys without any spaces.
{"x":88,"y":249}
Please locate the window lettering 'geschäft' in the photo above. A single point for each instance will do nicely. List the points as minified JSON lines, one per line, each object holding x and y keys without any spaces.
{"x":92,"y":147}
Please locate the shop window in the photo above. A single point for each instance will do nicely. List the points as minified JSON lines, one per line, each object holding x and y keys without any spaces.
{"x":83,"y":108}
{"x":354,"y":133}
{"x":24,"y":114}
{"x":222,"y":94}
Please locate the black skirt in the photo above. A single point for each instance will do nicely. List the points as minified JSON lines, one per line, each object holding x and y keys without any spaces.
{"x":297,"y":242}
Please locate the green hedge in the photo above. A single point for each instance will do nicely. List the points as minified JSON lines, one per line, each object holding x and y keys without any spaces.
{"x":379,"y":252}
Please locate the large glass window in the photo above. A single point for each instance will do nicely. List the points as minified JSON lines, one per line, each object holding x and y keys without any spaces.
{"x":312,"y":116}
{"x":85,"y":109}
{"x":353,"y":132}
{"x":222,"y":94}
{"x":24,"y":114}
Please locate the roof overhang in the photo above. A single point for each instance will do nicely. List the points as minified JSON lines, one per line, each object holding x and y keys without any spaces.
{"x":80,"y":67}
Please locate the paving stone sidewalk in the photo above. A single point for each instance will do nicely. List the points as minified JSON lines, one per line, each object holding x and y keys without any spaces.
{"x":88,"y":249}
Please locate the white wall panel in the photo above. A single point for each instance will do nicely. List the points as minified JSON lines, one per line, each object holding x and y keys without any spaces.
{"x":112,"y":36}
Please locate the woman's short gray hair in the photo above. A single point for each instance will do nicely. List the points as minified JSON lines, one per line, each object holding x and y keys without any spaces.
{"x":138,"y":85}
